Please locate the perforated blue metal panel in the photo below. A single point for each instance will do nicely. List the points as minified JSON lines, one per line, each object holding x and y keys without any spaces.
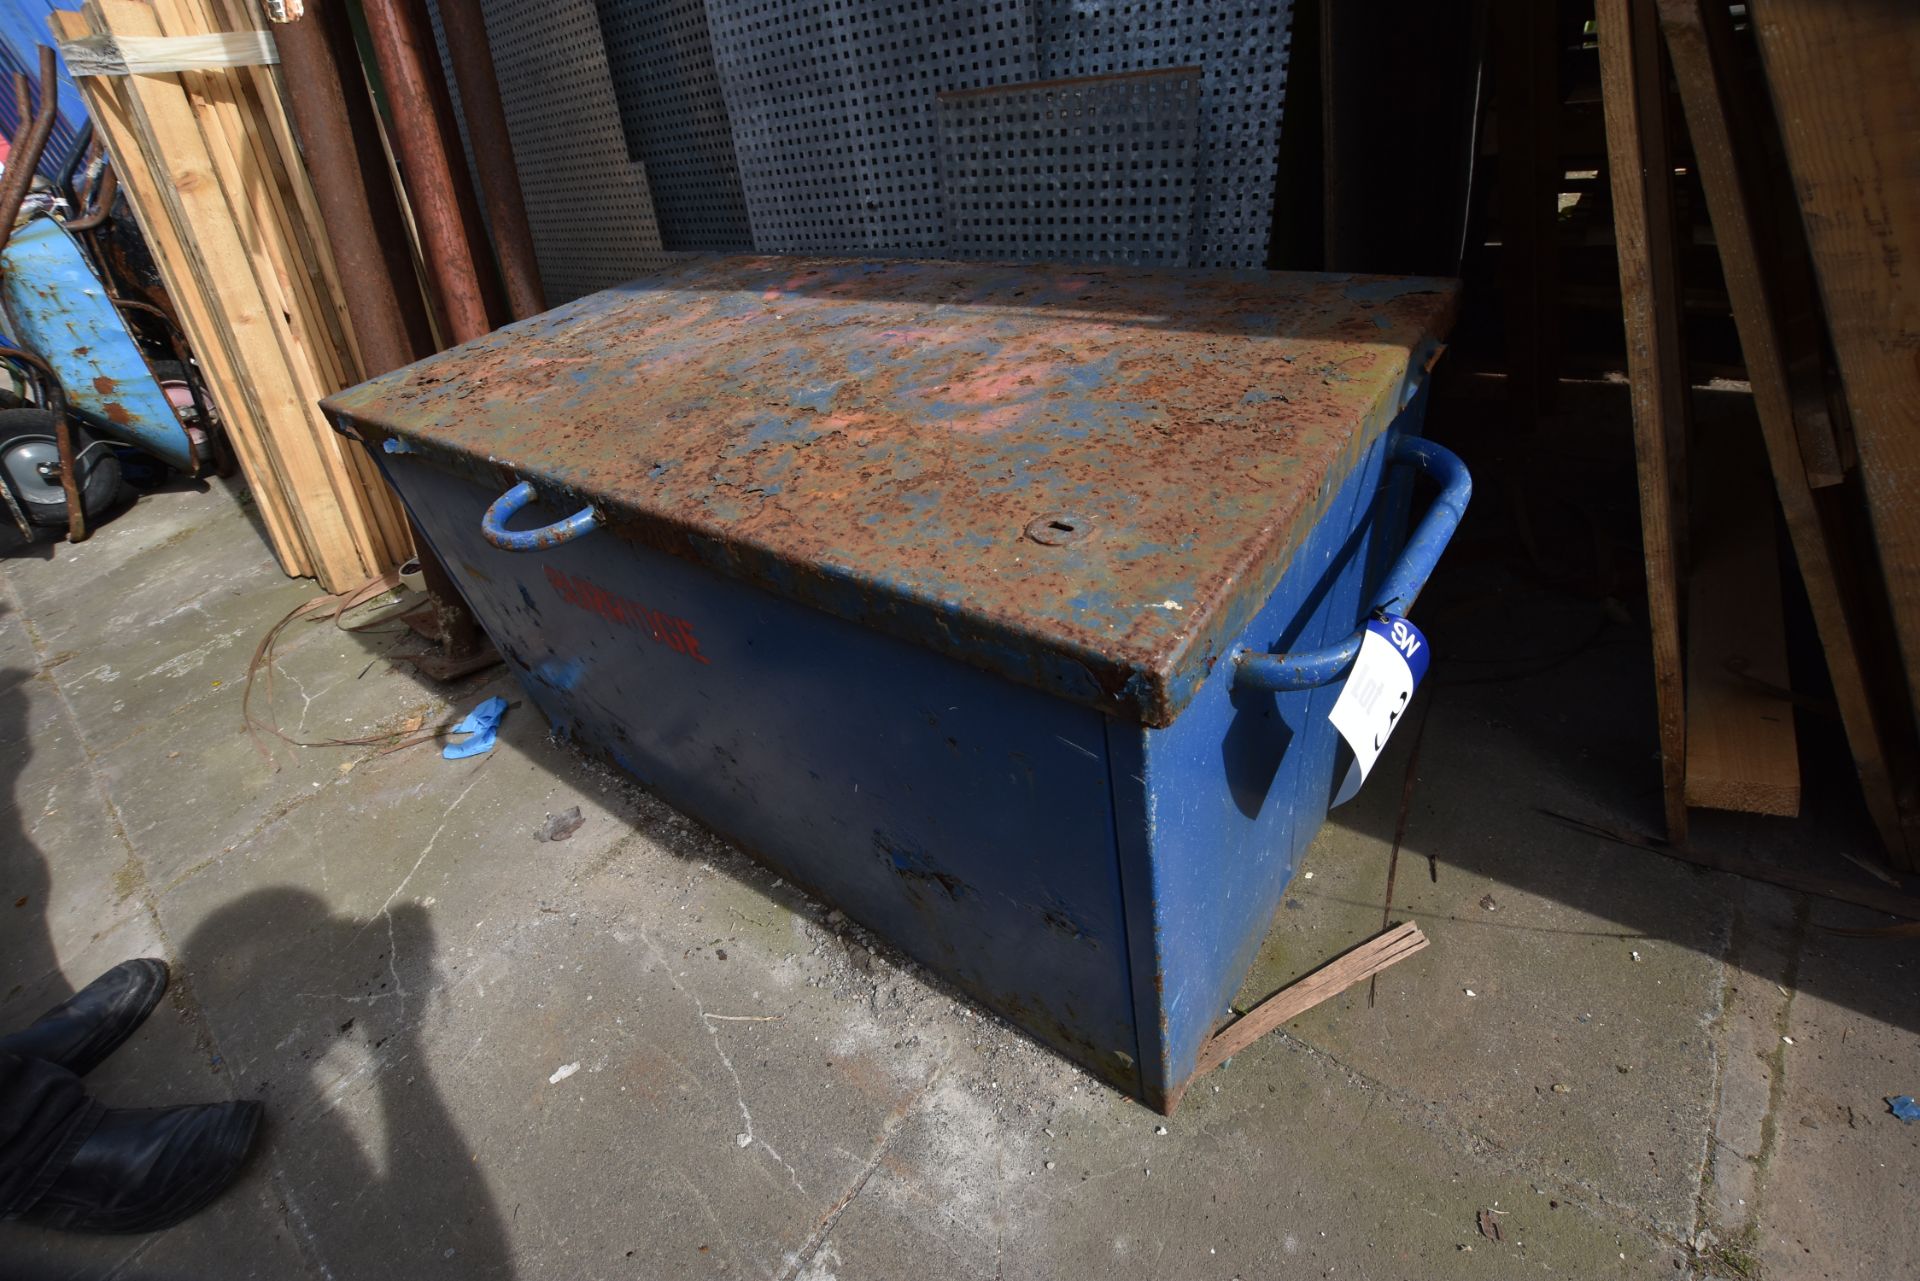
{"x":587,"y":199}
{"x":1090,"y":170}
{"x":832,"y":108}
{"x":660,"y":56}
{"x":1241,"y":46}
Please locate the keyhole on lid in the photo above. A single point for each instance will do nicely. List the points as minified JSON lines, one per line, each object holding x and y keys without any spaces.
{"x":1056,"y":528}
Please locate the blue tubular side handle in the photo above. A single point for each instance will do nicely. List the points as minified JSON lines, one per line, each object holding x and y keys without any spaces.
{"x":508,"y":505}
{"x":1310,"y":668}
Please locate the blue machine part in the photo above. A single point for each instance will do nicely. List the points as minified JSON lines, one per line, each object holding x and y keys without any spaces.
{"x":967,"y":817}
{"x":59,"y":310}
{"x":953,"y":638}
{"x":1101,"y":883}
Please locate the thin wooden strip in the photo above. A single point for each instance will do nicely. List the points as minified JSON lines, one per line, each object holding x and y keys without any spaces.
{"x":328,"y":324}
{"x":373,"y":491}
{"x":1301,"y":997}
{"x":245,"y":127}
{"x":111,"y":113}
{"x":1891,"y":901}
{"x":243,"y":15}
{"x":229,"y":119}
{"x":1297,"y":998}
{"x":313,"y":322}
{"x":165,"y":125}
{"x":1633,"y":93}
{"x":312,"y":259}
{"x":197,"y":94}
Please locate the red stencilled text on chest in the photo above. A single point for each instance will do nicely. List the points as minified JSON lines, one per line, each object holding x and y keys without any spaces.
{"x":675,"y":633}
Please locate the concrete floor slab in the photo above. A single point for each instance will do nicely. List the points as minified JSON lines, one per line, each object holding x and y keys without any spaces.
{"x":39,"y":738}
{"x":1835,"y":1155}
{"x":193,"y":785}
{"x":1239,"y":1183}
{"x":239,"y":1237}
{"x":636,"y":1054}
{"x":58,"y":910}
{"x":1565,"y":973}
{"x":49,"y":978}
{"x":132,"y":633}
{"x":411,"y":905}
{"x":159,"y":519}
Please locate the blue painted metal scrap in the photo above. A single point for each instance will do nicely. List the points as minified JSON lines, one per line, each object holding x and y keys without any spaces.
{"x":929,"y":584}
{"x":59,"y":310}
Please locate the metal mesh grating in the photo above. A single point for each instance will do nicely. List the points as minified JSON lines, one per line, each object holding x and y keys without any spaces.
{"x":1091,"y":170}
{"x":587,"y":199}
{"x":1241,"y":45}
{"x":832,"y":108}
{"x":661,"y":59}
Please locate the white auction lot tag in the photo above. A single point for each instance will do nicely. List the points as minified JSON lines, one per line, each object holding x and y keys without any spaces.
{"x":1393,"y":658}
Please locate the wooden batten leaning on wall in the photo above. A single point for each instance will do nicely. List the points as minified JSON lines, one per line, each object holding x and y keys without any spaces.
{"x":210,"y":167}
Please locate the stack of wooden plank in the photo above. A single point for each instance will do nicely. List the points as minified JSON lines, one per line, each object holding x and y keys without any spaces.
{"x":1802,"y":121}
{"x":214,"y":176}
{"x":1842,"y":78}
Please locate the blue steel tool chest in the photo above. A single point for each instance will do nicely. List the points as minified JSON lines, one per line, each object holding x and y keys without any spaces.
{"x":1000,"y":606}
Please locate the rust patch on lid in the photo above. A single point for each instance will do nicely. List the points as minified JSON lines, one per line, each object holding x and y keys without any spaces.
{"x":876,"y":438}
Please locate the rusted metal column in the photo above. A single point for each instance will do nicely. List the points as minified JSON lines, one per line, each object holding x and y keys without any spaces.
{"x":333,"y":117}
{"x":453,"y":238}
{"x":24,"y":154}
{"x":53,"y":398}
{"x":466,"y":31}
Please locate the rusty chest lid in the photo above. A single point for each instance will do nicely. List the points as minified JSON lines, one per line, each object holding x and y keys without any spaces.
{"x":1085,"y":479}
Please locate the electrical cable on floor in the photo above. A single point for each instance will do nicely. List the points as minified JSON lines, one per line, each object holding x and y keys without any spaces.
{"x":1400,"y":830}
{"x":331,"y":607}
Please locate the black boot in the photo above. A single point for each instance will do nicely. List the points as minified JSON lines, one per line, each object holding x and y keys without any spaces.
{"x":81,"y":1032}
{"x":143,"y":1169}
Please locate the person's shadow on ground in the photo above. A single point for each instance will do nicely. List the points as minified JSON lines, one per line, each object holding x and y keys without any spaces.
{"x":320,"y":1017}
{"x":377,"y":1175}
{"x":27,"y":957}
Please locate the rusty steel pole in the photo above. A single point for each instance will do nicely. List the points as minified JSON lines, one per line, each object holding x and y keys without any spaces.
{"x":466,"y":31}
{"x":333,"y":118}
{"x":35,"y":128}
{"x":23,"y":158}
{"x":453,"y":239}
{"x":339,"y":134}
